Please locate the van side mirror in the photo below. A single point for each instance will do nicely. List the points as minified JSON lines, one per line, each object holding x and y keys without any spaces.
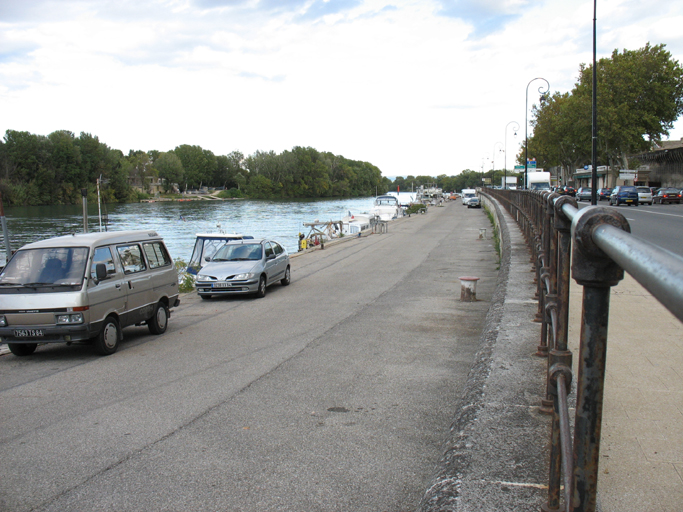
{"x":101,"y":272}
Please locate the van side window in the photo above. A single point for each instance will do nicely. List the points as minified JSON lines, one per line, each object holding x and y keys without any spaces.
{"x":156,"y":253}
{"x":269,"y":250}
{"x":102,"y":255}
{"x":131,"y":258}
{"x":278,"y":250}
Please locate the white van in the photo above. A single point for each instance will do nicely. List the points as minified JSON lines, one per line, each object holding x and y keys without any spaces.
{"x":467,"y":194}
{"x":86,"y":287}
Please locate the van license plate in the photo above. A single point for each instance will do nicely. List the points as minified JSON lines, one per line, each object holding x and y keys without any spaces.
{"x":222,"y":285}
{"x":28,"y":333}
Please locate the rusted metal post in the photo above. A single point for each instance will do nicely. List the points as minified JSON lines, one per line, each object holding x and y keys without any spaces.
{"x":559,"y":358}
{"x":597,"y":273}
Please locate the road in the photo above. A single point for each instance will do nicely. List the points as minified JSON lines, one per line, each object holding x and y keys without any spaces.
{"x":334,"y":393}
{"x":660,"y":224}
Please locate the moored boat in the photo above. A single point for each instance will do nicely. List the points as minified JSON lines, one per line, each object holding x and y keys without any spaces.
{"x":206,"y":245}
{"x":386,"y":207}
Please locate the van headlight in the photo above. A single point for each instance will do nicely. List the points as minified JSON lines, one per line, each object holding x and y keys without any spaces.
{"x":202,"y":277}
{"x":242,"y":277}
{"x":3,"y":321}
{"x":72,"y":318}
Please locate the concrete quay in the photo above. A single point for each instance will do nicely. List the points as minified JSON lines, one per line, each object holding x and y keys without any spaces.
{"x":366,"y":385}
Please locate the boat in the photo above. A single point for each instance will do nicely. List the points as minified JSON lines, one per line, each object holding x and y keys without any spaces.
{"x":386,"y":207}
{"x":206,"y":245}
{"x":355,"y":224}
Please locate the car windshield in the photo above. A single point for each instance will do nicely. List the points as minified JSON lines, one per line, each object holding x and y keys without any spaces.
{"x":239,"y":252}
{"x":54,"y":266}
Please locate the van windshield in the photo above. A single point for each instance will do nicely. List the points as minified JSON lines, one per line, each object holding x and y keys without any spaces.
{"x":48,"y":267}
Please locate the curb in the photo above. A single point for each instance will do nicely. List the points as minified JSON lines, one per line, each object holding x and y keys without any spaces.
{"x":495,"y":456}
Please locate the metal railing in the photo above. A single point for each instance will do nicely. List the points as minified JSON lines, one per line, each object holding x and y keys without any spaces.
{"x":594,"y":247}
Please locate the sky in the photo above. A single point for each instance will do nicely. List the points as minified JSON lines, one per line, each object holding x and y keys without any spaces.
{"x":415,"y":87}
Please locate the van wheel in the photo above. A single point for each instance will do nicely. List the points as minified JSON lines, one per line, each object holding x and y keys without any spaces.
{"x":158,"y":323}
{"x":261,"y":292}
{"x":107,"y":341}
{"x":22,"y":349}
{"x":288,"y":277}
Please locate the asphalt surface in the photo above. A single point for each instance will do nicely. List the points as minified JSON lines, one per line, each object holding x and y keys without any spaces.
{"x":334,"y":393}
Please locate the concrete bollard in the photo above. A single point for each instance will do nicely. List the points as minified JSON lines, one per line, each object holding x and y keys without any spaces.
{"x":468,"y":289}
{"x":482,"y":233}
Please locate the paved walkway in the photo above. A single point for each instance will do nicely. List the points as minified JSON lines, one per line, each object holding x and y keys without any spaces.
{"x":641,"y":455}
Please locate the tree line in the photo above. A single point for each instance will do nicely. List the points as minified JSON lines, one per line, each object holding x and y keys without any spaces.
{"x":639,"y":97}
{"x":53,"y":169}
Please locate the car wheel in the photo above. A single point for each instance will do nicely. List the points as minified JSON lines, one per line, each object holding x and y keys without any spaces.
{"x":22,"y":349}
{"x":107,"y":341}
{"x":158,"y":323}
{"x":261,"y":292}
{"x":205,"y":297}
{"x":288,"y":277}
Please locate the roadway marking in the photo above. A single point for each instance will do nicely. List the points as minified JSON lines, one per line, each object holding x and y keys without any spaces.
{"x":647,"y":211}
{"x":661,"y":213}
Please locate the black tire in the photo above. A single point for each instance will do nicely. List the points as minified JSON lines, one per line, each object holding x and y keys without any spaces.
{"x":288,"y":277}
{"x":261,"y":292}
{"x":22,"y":349}
{"x":107,"y":340}
{"x":205,"y":297}
{"x":158,"y":323}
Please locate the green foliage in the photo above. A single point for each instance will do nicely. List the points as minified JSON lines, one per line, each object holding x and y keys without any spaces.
{"x":232,"y":193}
{"x":414,"y":208}
{"x":52,"y":170}
{"x":185,"y":280}
{"x":640,"y":96}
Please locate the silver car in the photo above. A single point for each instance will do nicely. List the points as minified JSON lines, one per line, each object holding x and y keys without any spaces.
{"x":244,"y":267}
{"x":644,"y":195}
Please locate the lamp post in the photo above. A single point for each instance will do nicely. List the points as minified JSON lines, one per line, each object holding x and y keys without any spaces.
{"x":526,"y":123}
{"x":493,"y":159}
{"x":505,"y":167}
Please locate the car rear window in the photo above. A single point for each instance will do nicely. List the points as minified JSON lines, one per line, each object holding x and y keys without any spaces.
{"x":643,"y":189}
{"x":628,"y":189}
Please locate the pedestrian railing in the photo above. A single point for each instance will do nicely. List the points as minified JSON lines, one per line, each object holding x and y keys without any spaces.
{"x":594,"y":247}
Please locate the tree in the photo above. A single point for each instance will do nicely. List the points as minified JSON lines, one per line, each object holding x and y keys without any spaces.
{"x":170,"y":169}
{"x":640,"y":96}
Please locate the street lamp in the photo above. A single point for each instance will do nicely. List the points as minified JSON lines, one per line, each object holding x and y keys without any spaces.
{"x":526,"y":123}
{"x":505,"y":168}
{"x":493,"y":159}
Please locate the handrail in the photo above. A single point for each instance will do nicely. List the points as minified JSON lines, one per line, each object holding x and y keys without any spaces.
{"x":598,"y":243}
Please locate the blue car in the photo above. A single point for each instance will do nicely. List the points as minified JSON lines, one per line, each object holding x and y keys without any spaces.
{"x":624,"y":194}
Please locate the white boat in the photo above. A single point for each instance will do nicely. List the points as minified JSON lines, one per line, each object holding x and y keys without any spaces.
{"x":386,"y":208}
{"x":206,"y":245}
{"x":352,"y":225}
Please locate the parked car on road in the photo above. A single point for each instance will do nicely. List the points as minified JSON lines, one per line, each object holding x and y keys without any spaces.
{"x":566,"y":190}
{"x":624,"y":194}
{"x":603,"y":193}
{"x":667,"y":195}
{"x":474,"y":202}
{"x":644,"y":195}
{"x":244,"y":267}
{"x":86,"y":287}
{"x":584,"y":194}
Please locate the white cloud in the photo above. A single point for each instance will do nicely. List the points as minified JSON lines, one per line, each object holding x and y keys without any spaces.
{"x":401,"y":84}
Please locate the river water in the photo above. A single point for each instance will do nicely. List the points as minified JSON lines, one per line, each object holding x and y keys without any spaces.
{"x":179,"y":221}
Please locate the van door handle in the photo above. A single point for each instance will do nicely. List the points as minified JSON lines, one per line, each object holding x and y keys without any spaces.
{"x":118,"y":285}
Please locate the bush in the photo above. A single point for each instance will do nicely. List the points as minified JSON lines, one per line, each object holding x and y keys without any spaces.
{"x":230,"y":194}
{"x":185,"y":280}
{"x":414,"y":208}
